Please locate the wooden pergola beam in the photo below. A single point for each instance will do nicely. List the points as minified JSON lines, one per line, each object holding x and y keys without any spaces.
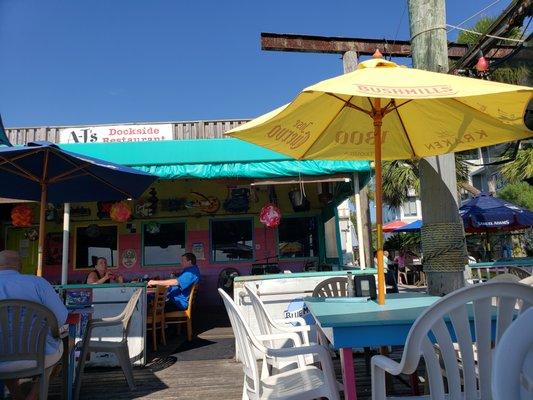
{"x":366,"y":47}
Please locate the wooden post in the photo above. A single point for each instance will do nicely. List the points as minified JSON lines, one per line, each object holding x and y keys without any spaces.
{"x":438,"y":182}
{"x":349,"y":63}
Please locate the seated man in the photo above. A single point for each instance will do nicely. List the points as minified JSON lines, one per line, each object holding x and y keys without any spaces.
{"x":180,"y":287}
{"x":15,"y":286}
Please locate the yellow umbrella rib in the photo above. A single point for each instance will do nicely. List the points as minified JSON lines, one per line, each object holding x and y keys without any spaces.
{"x":327,"y":126}
{"x":475,"y":110}
{"x":405,"y":132}
{"x":348,"y":103}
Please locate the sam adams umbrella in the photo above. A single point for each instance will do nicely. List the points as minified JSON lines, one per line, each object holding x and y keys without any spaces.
{"x":485,"y":213}
{"x":41,"y":171}
{"x":382,"y":111}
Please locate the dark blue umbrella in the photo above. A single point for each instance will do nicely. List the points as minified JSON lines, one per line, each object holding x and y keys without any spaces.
{"x":41,"y":171}
{"x":485,"y":213}
{"x":412,"y":227}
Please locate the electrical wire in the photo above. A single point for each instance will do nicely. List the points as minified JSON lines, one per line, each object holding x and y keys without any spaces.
{"x":475,"y":15}
{"x":485,"y":34}
{"x":399,"y":25}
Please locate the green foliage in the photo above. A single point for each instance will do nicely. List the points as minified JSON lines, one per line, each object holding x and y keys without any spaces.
{"x":482,"y":26}
{"x":520,"y":194}
{"x":398,"y":177}
{"x":520,"y":168}
{"x":403,"y":241}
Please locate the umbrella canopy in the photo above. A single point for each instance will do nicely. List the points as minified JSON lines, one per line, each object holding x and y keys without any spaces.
{"x":485,"y":213}
{"x":382,"y":111}
{"x":392,"y":226}
{"x":41,"y":171}
{"x":412,"y":227}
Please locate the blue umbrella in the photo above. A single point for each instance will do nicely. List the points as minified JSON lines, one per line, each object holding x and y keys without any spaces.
{"x":412,"y":227}
{"x":485,"y":213}
{"x":41,"y":171}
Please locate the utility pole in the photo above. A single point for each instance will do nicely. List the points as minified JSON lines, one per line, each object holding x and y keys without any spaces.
{"x":364,"y":227}
{"x":443,"y":242}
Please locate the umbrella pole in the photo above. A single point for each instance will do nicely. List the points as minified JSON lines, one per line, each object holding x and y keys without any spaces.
{"x":377,"y":116}
{"x":42,"y":221}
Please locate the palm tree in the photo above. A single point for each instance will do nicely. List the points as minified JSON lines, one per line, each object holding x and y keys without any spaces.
{"x":521,"y":168}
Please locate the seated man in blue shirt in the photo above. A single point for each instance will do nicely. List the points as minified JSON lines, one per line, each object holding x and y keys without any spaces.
{"x":15,"y":286}
{"x":180,"y":287}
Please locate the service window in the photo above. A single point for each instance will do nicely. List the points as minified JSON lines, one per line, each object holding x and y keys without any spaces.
{"x":163,"y":243}
{"x":95,"y":241}
{"x":298,"y":237}
{"x":232,"y":240}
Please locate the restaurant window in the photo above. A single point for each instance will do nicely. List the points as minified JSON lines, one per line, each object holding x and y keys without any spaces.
{"x":298,"y":237}
{"x":163,"y":243}
{"x":232,"y":240}
{"x":96,"y":241}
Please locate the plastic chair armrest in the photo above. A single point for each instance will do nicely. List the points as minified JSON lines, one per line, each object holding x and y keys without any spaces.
{"x":387,"y":364}
{"x":321,"y":351}
{"x":299,"y":320}
{"x":286,"y":335}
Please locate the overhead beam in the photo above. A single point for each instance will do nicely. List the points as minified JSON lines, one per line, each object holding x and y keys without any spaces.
{"x":513,"y":16}
{"x":366,"y":47}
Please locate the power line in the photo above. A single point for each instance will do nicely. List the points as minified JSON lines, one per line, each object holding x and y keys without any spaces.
{"x":475,"y":15}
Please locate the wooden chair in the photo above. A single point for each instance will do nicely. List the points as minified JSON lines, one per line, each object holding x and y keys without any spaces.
{"x":23,"y":342}
{"x":183,"y":317}
{"x":446,"y":321}
{"x":156,"y":316}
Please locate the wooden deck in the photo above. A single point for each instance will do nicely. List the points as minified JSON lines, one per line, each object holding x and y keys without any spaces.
{"x":202,"y":371}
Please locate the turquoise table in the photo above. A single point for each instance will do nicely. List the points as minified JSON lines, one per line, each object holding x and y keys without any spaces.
{"x":356,"y":322}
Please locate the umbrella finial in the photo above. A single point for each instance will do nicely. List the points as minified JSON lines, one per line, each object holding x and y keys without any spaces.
{"x":377,"y":54}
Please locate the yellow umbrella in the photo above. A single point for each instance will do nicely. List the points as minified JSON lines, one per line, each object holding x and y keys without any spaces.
{"x":383,"y":111}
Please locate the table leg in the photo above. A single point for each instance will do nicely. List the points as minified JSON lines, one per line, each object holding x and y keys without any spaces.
{"x":65,"y":367}
{"x":348,"y":373}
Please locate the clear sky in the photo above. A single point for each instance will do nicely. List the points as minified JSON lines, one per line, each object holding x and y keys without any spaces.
{"x":73,"y":62}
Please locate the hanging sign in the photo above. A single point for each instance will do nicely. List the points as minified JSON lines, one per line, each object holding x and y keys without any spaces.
{"x":117,"y":133}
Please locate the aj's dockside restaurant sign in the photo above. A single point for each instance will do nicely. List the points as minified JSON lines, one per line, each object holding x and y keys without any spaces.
{"x":116,"y":133}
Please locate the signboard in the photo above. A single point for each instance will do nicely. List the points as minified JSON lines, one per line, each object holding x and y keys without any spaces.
{"x":116,"y":133}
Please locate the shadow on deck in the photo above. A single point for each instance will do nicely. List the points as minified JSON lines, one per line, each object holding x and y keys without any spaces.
{"x":202,"y":369}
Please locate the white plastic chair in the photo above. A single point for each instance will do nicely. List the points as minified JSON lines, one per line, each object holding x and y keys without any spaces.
{"x":119,"y":348}
{"x":305,"y":382}
{"x":432,"y":327}
{"x":268,"y":326}
{"x":24,"y":326}
{"x":512,"y":375}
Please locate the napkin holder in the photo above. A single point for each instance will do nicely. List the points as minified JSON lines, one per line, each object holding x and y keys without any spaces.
{"x":365,"y":286}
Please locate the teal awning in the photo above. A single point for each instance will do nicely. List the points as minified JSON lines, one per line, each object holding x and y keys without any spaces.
{"x":213,"y":159}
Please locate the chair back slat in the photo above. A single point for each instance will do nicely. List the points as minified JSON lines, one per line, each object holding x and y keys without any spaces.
{"x":506,"y":307}
{"x":24,"y":326}
{"x":192,"y":298}
{"x":488,"y":304}
{"x":436,"y":385}
{"x":332,"y":287}
{"x":157,"y":307}
{"x":246,"y":342}
{"x":461,"y":326}
{"x":127,"y":313}
{"x":444,"y":340}
{"x":263,"y":319}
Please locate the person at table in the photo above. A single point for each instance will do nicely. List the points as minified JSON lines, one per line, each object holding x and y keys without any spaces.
{"x":101,"y":274}
{"x":180,"y":287}
{"x":16,"y":286}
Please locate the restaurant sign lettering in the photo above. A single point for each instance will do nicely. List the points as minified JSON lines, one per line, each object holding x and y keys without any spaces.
{"x":116,"y":133}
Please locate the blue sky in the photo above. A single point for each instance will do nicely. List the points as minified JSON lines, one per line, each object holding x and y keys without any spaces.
{"x":66,"y":62}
